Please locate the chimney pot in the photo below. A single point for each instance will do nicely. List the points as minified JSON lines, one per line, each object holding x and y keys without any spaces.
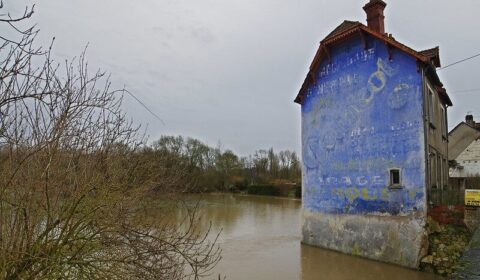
{"x":375,"y":18}
{"x":469,"y":120}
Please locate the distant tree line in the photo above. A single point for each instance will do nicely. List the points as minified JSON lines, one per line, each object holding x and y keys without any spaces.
{"x":206,"y":168}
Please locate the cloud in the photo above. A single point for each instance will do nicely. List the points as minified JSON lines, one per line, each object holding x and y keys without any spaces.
{"x":229,"y":70}
{"x":202,"y":34}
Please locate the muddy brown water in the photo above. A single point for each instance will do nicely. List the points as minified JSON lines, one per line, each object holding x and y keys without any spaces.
{"x":260,"y":240}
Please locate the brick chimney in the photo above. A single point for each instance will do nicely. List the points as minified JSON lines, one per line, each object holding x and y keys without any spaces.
{"x":469,"y":120}
{"x":375,"y":17}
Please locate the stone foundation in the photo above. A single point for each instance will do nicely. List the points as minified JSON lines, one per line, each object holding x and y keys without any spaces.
{"x":472,"y":218}
{"x":398,"y":240}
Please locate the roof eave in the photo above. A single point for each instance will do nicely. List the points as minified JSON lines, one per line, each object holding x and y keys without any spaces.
{"x":318,"y":56}
{"x":432,"y":72}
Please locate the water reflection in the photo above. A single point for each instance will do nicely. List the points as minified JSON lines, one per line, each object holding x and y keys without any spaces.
{"x":324,"y":264}
{"x":261,"y":240}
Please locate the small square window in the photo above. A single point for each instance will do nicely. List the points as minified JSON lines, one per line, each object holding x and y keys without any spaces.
{"x":395,"y":180}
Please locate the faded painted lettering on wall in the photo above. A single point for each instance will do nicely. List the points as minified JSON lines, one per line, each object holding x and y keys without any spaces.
{"x":362,"y":118}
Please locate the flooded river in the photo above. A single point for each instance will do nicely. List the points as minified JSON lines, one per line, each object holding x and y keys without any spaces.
{"x":261,"y":240}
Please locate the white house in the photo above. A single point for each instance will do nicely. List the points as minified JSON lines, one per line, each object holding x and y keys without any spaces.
{"x":464,"y":154}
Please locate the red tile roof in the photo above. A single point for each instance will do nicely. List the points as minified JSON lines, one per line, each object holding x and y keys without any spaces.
{"x":346,"y":30}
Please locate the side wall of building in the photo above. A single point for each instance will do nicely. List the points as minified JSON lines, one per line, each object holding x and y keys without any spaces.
{"x":364,"y":154}
{"x":437,"y":135}
{"x":469,"y":159}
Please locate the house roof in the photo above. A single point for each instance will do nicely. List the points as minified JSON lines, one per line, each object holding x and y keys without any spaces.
{"x":457,"y":126}
{"x":460,"y":138}
{"x":345,"y":25}
{"x":475,"y":126}
{"x":348,"y":29}
{"x":433,"y":54}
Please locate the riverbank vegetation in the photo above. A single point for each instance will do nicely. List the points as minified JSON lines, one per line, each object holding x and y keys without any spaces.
{"x":74,"y":172}
{"x":209,"y":169}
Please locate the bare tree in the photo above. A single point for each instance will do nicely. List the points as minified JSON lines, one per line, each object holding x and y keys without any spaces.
{"x":71,"y":200}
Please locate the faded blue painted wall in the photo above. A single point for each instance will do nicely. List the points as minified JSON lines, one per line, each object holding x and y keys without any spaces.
{"x":362,"y":117}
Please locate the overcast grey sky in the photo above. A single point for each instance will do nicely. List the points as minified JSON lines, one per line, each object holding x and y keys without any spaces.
{"x":228,"y":70}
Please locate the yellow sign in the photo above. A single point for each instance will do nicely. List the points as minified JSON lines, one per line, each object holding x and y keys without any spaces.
{"x":472,"y":197}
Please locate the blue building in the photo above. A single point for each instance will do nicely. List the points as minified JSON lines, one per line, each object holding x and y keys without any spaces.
{"x":374,"y":140}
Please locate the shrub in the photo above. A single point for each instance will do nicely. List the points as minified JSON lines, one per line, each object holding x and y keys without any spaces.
{"x":241,"y":185}
{"x":263,"y":190}
{"x":298,"y":191}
